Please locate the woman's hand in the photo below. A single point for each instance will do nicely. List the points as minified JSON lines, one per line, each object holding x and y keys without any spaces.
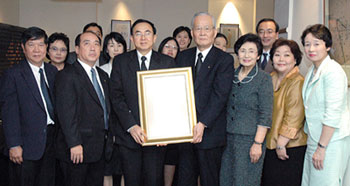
{"x":255,"y":152}
{"x":318,"y":158}
{"x":282,"y":153}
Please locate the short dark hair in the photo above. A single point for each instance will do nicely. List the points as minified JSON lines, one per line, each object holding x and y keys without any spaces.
{"x":33,"y":33}
{"x":118,"y":38}
{"x":58,"y":37}
{"x":183,"y":28}
{"x":320,"y":32}
{"x":143,"y":21}
{"x":267,"y":20}
{"x":162,"y":44}
{"x":93,"y":24}
{"x":249,"y":38}
{"x":221,"y":35}
{"x":77,"y":39}
{"x":294,"y":48}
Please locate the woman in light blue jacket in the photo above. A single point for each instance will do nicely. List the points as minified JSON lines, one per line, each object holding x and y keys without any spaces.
{"x":326,"y":111}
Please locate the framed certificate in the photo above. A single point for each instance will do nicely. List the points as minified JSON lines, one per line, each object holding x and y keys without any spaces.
{"x":167,"y":105}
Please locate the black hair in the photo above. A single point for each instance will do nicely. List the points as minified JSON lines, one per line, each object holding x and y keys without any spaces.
{"x":33,"y":33}
{"x":58,"y":37}
{"x":294,"y":48}
{"x":183,"y":28}
{"x":93,"y":24}
{"x":221,"y":35}
{"x":118,"y":38}
{"x":162,"y":44}
{"x":143,"y":21}
{"x":77,"y":39}
{"x":320,"y":32}
{"x":249,"y":38}
{"x":267,"y":20}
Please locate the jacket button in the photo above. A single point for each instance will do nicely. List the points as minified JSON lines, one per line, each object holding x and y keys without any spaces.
{"x":231,"y":118}
{"x":233,"y":95}
{"x":233,"y":108}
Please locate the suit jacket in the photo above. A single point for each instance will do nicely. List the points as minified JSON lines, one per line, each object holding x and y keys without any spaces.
{"x":124,"y":91}
{"x":269,"y":67}
{"x":80,"y":113}
{"x":211,"y":88}
{"x":325,"y":100}
{"x":23,"y":111}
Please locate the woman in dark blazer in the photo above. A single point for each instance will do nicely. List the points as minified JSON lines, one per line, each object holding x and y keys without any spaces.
{"x":249,"y":111}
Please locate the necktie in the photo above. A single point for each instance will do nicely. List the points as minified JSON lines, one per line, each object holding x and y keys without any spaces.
{"x":45,"y":91}
{"x":199,"y":63}
{"x":143,"y":64}
{"x":264,"y":62}
{"x":100,"y":96}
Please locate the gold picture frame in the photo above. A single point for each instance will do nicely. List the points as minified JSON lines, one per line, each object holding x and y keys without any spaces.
{"x":231,"y":31}
{"x":122,"y":27}
{"x":167,"y":105}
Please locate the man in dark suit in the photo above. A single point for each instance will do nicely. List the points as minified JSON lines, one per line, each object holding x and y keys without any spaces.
{"x":267,"y":29}
{"x":97,"y":29}
{"x":83,"y":108}
{"x":28,"y":114}
{"x":141,"y":165}
{"x":213,"y":74}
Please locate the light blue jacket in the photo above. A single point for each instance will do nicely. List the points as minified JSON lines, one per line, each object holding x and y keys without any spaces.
{"x":325,"y":100}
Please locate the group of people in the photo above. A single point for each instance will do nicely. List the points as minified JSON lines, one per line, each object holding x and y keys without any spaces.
{"x":262,"y":123}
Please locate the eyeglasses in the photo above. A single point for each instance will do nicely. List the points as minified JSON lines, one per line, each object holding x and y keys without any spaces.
{"x":170,"y":46}
{"x":249,"y":52}
{"x":55,"y":49}
{"x":205,"y":29}
{"x":269,"y":32}
{"x":146,"y":34}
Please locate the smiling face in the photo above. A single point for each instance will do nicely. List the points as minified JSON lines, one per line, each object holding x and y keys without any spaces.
{"x":143,"y":37}
{"x":248,"y":54}
{"x":35,"y":51}
{"x":89,"y":48}
{"x":58,"y":51}
{"x":170,"y":49}
{"x":203,"y":32}
{"x":267,"y":33}
{"x":183,"y":39}
{"x":114,"y":48}
{"x":315,"y":49}
{"x":283,"y":60}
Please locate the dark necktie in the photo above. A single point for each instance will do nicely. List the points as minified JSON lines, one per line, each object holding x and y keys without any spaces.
{"x":45,"y":91}
{"x":264,"y":62}
{"x":143,"y":64}
{"x":100,"y":96}
{"x":199,"y":63}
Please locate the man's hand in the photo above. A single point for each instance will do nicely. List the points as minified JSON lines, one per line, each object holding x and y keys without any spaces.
{"x":138,"y":135}
{"x":76,"y":154}
{"x":198,"y":132}
{"x":16,"y":154}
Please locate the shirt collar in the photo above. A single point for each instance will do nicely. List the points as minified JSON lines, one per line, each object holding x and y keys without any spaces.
{"x":86,"y":67}
{"x":148,"y":55}
{"x":36,"y":68}
{"x":204,"y":52}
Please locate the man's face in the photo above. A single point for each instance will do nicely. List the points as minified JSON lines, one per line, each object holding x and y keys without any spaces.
{"x":95,"y":30}
{"x":143,"y":37}
{"x":203,"y":32}
{"x":267,"y":33}
{"x":89,"y":48}
{"x":35,"y":51}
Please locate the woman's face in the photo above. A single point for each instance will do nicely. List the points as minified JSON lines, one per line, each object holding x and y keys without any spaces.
{"x":315,"y":49}
{"x":183,"y":39}
{"x":170,"y":49}
{"x":283,"y":59}
{"x":220,"y":42}
{"x":58,"y":51}
{"x":114,"y":48}
{"x":248,"y":54}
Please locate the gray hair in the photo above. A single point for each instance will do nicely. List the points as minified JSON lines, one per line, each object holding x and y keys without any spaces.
{"x":200,"y":14}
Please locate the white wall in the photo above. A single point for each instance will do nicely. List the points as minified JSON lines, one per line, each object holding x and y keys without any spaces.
{"x":9,"y":12}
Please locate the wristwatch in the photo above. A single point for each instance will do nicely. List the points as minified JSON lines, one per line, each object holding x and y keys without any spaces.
{"x":321,"y":146}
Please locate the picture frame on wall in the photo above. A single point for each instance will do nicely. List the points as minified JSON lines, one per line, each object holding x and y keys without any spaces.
{"x":231,"y":31}
{"x":123,"y":27}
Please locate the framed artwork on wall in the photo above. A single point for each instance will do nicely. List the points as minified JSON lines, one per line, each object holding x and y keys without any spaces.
{"x":123,"y":27}
{"x":231,"y":31}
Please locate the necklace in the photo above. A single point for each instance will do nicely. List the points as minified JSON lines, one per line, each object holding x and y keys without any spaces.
{"x":249,"y":78}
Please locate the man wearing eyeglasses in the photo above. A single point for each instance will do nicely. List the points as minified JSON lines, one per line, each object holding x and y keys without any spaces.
{"x":267,"y":30}
{"x":212,"y":75}
{"x":140,"y":165}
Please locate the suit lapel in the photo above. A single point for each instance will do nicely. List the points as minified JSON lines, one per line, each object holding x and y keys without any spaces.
{"x":85,"y":81}
{"x":205,"y":68}
{"x":134,"y":65}
{"x":50,"y":76}
{"x":31,"y":82}
{"x":155,"y":61}
{"x":104,"y":83}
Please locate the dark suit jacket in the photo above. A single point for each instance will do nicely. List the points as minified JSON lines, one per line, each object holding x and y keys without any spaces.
{"x":124,"y":91}
{"x":23,"y":111}
{"x":211,"y":88}
{"x":80,"y":113}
